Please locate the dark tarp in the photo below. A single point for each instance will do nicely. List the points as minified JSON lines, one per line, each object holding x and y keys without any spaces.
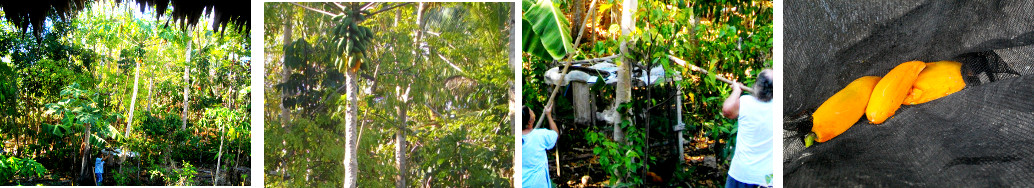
{"x":980,"y":136}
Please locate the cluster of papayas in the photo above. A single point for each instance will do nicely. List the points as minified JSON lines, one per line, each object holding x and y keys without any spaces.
{"x":350,"y":38}
{"x":909,"y":83}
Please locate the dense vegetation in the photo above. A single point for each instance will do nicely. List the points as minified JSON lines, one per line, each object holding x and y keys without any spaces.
{"x":408,"y":94}
{"x":730,"y":38}
{"x":162,"y":102}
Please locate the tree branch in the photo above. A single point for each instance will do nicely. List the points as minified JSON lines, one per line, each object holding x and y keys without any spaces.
{"x":716,"y":76}
{"x":387,"y":9}
{"x":315,"y":10}
{"x":341,"y":7}
{"x":592,"y":60}
{"x":368,"y":5}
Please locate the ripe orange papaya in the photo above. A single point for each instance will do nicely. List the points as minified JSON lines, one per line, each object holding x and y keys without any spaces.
{"x":653,"y":177}
{"x":843,"y":109}
{"x":891,"y":91}
{"x":937,"y":80}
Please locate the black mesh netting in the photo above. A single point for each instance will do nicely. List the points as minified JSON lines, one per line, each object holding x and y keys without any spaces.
{"x":980,"y":136}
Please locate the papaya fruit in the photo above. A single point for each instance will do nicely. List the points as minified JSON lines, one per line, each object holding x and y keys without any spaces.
{"x":891,"y":91}
{"x":843,"y":109}
{"x":937,"y":80}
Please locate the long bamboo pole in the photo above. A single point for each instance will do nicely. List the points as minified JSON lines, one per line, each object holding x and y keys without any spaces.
{"x":701,"y":70}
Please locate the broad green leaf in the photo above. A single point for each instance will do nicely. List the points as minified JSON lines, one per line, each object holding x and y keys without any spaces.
{"x":531,"y":43}
{"x":526,"y":4}
{"x":552,"y":27}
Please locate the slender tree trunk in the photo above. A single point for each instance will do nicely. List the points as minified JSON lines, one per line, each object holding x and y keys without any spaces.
{"x":132,"y":101}
{"x":577,"y":14}
{"x":515,"y":65}
{"x":219,"y":157}
{"x":285,"y":73}
{"x":419,"y":35}
{"x":400,"y":142}
{"x":150,"y":91}
{"x":624,"y":85}
{"x":350,"y":162}
{"x":186,"y":86}
{"x":86,"y":151}
{"x":400,"y":137}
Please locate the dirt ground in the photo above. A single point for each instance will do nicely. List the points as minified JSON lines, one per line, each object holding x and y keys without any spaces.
{"x":699,"y":167}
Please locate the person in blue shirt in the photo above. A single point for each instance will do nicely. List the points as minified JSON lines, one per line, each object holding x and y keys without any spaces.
{"x":752,"y":161}
{"x":98,"y":170}
{"x":534,"y":143}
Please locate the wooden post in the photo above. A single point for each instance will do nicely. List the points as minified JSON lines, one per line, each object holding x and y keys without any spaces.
{"x":583,"y":102}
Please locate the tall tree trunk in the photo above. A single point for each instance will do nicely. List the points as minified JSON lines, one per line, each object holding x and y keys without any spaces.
{"x":400,"y":142}
{"x":400,"y":138}
{"x":285,"y":73}
{"x":420,"y":34}
{"x":624,"y":85}
{"x":186,"y":87}
{"x":150,"y":91}
{"x":577,"y":14}
{"x":514,"y":65}
{"x":85,"y":152}
{"x":513,"y":41}
{"x":219,"y":157}
{"x":351,"y":138}
{"x":132,"y":101}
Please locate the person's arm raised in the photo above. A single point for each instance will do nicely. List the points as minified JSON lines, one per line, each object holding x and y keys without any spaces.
{"x":549,"y":119}
{"x":731,"y":106}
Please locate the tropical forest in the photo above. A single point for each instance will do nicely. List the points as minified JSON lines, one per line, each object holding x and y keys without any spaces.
{"x":388,"y":94}
{"x":104,"y":92}
{"x":637,"y":87}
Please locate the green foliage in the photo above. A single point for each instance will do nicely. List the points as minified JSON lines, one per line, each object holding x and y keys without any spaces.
{"x":306,"y":62}
{"x":456,"y":127}
{"x":736,"y":44}
{"x":13,"y":167}
{"x":78,"y":78}
{"x":124,"y":178}
{"x":309,"y":148}
{"x":79,"y":110}
{"x":545,"y":29}
{"x":468,"y":151}
{"x":156,"y":133}
{"x":157,"y":125}
{"x":232,"y":131}
{"x":622,"y":159}
{"x":8,"y":91}
{"x":231,"y":121}
{"x":729,"y":38}
{"x":185,"y":176}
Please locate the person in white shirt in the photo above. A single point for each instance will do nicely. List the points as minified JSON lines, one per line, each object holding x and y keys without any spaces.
{"x":752,"y":161}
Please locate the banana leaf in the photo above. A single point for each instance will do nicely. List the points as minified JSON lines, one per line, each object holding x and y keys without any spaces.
{"x":531,"y":43}
{"x":551,"y":28}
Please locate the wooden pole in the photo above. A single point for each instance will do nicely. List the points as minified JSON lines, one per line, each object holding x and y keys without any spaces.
{"x":701,"y":70}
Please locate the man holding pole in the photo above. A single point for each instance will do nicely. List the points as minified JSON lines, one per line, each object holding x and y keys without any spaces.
{"x":752,"y":161}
